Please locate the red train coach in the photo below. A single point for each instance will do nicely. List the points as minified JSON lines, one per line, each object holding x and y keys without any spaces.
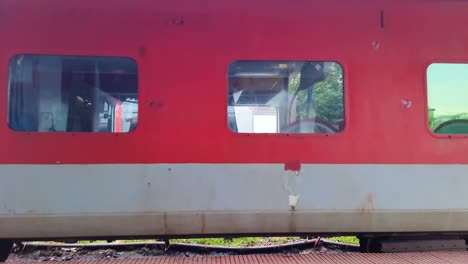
{"x":172,"y":118}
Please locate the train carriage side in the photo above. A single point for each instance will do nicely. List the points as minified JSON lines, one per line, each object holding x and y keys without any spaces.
{"x":172,"y":118}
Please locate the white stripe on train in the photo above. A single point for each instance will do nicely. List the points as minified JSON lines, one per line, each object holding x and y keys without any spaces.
{"x":156,"y":199}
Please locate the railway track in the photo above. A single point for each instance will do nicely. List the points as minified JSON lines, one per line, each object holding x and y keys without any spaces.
{"x":193,"y":247}
{"x":307,"y":252}
{"x":34,"y":251}
{"x":307,"y":243}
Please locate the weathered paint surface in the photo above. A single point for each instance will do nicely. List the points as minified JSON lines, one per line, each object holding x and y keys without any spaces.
{"x":183,"y":49}
{"x":151,"y":183}
{"x":229,"y":198}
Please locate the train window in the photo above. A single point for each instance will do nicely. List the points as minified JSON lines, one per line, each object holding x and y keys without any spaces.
{"x":447,"y":91}
{"x":285,"y":97}
{"x":72,"y":94}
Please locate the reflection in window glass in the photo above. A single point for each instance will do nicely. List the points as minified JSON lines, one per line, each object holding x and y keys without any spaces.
{"x":285,"y":97}
{"x":72,"y":94}
{"x":447,"y":90}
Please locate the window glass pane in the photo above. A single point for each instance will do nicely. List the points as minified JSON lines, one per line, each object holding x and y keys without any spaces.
{"x":72,"y":94}
{"x":285,"y":97}
{"x":447,"y":90}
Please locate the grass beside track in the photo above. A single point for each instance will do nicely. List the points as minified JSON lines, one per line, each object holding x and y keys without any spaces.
{"x":236,"y":242}
{"x":345,"y":239}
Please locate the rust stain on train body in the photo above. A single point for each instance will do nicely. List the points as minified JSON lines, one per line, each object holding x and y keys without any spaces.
{"x":368,"y":204}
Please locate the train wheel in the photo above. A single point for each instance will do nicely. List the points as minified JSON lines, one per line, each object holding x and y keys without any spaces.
{"x":369,"y":245}
{"x":5,"y":249}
